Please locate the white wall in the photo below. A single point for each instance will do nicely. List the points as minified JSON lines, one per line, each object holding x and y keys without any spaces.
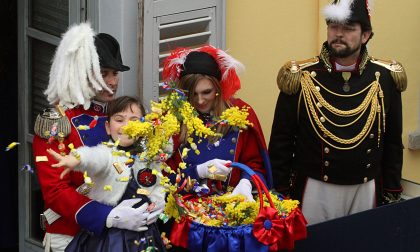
{"x":119,"y":18}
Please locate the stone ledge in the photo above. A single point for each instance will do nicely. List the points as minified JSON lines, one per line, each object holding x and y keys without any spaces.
{"x":414,"y":140}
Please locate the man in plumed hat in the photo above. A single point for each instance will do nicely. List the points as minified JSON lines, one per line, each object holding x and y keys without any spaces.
{"x":83,"y":79}
{"x":336,"y":136}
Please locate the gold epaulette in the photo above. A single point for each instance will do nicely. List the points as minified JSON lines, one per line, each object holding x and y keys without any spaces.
{"x":52,"y":121}
{"x":397,"y":72}
{"x":288,"y":78}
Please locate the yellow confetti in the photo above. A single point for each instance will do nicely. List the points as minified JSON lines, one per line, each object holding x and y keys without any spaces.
{"x":129,"y":161}
{"x":185,"y":152}
{"x":182,"y":165}
{"x":107,"y":188}
{"x":118,"y":167}
{"x":143,"y":191}
{"x":87,"y":179}
{"x":41,"y":159}
{"x":117,"y":142}
{"x":12,"y":145}
{"x":124,"y":179}
{"x":83,"y":127}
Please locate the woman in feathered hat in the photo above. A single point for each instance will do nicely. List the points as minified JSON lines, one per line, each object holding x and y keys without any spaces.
{"x":209,"y":77}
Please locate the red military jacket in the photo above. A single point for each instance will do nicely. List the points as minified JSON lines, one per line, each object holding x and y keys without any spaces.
{"x":60,"y":195}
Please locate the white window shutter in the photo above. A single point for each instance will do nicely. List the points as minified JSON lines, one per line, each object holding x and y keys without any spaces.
{"x":181,"y":23}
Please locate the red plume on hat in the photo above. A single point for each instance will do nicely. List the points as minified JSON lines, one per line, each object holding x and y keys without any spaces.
{"x":227,"y":67}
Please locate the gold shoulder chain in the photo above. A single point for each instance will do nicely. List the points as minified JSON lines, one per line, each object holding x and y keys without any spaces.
{"x":314,"y":102}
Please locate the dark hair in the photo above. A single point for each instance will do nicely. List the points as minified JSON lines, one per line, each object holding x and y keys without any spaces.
{"x":122,"y":103}
{"x":365,"y":29}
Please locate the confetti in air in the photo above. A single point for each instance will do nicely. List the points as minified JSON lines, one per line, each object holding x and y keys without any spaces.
{"x":12,"y":145}
{"x":27,"y":168}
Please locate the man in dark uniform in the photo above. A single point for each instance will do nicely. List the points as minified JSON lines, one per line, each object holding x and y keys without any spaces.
{"x":336,"y":136}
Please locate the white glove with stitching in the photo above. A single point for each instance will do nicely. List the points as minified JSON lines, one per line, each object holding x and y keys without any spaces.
{"x":244,"y":187}
{"x":124,"y":216}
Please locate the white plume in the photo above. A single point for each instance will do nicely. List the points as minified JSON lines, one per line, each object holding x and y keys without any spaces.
{"x":75,"y":75}
{"x":339,"y":12}
{"x":229,"y":62}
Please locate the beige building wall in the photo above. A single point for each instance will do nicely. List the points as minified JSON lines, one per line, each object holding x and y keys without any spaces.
{"x":265,"y":34}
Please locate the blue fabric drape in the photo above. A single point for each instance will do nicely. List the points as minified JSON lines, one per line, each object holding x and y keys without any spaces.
{"x":203,"y":238}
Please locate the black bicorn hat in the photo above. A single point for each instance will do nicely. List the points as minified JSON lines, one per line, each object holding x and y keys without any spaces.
{"x":109,"y":53}
{"x":347,"y":11}
{"x":201,"y":63}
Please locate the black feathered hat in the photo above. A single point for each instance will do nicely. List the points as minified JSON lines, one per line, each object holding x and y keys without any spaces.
{"x":201,"y":63}
{"x":347,"y":11}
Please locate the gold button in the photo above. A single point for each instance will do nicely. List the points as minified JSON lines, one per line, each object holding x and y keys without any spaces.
{"x":365,"y":179}
{"x":322,"y":119}
{"x":326,"y":150}
{"x":371,"y":136}
{"x":232,"y":151}
{"x":233,"y":140}
{"x":325,"y":178}
{"x":368,"y":166}
{"x":368,"y":151}
{"x":313,"y":73}
{"x":327,"y":163}
{"x":317,"y":88}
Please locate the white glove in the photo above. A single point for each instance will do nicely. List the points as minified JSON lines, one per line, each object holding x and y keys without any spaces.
{"x":124,"y":216}
{"x":244,"y":187}
{"x":214,"y":169}
{"x":156,"y":211}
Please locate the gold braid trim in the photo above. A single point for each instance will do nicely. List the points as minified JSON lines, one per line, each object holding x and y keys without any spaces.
{"x":397,"y":72}
{"x":290,"y":74}
{"x":45,"y":121}
{"x":334,"y":110}
{"x":314,"y":101}
{"x":325,"y":57}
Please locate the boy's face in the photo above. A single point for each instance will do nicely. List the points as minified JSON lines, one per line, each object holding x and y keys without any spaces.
{"x":117,"y":121}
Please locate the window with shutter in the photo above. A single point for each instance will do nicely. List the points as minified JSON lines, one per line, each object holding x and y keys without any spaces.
{"x":192,"y":24}
{"x":41,"y":56}
{"x":41,"y":23}
{"x":49,"y":16}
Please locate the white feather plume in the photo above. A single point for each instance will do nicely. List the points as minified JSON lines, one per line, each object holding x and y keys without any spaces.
{"x":230,"y":62}
{"x":75,"y":75}
{"x":339,"y":12}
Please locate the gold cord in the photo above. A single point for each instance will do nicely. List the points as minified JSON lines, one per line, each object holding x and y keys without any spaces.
{"x":314,"y":101}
